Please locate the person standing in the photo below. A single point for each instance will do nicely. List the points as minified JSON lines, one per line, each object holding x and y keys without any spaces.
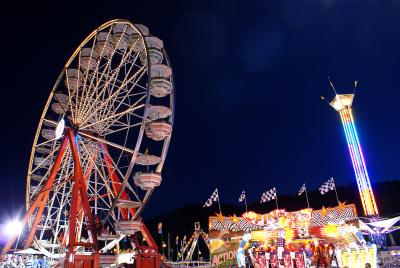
{"x":29,"y":262}
{"x":248,"y":261}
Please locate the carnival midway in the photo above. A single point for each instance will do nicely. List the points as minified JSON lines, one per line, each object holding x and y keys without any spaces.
{"x":325,"y":237}
{"x":98,"y":154}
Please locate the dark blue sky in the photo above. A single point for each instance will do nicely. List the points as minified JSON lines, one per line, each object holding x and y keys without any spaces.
{"x":248,"y":77}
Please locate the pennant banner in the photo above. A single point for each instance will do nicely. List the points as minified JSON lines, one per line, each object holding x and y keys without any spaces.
{"x":327,"y":186}
{"x":268,"y":195}
{"x":302,"y":189}
{"x":242,"y":196}
{"x":214,"y":197}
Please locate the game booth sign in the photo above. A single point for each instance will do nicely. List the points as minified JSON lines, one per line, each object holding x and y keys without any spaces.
{"x":305,"y":238}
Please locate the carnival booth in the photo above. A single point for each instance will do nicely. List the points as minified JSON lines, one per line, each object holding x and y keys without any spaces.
{"x":304,"y":238}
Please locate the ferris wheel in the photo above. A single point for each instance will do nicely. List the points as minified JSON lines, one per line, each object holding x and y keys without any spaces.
{"x":102,"y":139}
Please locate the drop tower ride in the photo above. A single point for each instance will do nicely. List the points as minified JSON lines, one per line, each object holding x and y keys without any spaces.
{"x":342,"y":103}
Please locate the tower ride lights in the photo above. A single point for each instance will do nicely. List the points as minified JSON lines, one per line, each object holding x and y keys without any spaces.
{"x":342,"y":103}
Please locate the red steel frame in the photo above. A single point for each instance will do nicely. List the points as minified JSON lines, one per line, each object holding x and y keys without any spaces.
{"x":80,"y":213}
{"x":79,"y":197}
{"x":79,"y":205}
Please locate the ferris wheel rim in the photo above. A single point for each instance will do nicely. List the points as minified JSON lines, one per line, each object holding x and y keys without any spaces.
{"x":59,"y":79}
{"x":143,"y":122}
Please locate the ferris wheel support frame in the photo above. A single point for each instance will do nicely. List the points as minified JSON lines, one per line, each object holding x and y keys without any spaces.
{"x":80,"y":199}
{"x":80,"y":212}
{"x":42,"y":198}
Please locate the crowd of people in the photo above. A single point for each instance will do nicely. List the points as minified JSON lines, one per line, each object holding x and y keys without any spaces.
{"x":28,"y":261}
{"x":304,"y":256}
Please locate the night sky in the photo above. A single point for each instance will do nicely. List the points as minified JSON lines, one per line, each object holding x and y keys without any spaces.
{"x":248,"y":77}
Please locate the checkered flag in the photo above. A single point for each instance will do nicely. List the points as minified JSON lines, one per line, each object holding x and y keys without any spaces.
{"x":213,"y":197}
{"x":327,"y":186}
{"x":242,"y":197}
{"x":268,"y":195}
{"x":302,"y":189}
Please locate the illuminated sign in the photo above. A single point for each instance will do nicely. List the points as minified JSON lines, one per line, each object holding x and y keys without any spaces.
{"x":279,"y":218}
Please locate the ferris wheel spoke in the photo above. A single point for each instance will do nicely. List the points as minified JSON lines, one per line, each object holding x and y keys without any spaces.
{"x":70,"y":95}
{"x":125,"y":82}
{"x":63,"y":178}
{"x":100,"y":198}
{"x":113,"y":76}
{"x":62,"y":205}
{"x":120,"y":114}
{"x":88,"y":159}
{"x":116,"y":72}
{"x":121,"y":175}
{"x":128,"y":97}
{"x":117,"y":146}
{"x":102,"y":176}
{"x":48,"y":216}
{"x":115,"y":168}
{"x":120,"y":123}
{"x":120,"y":82}
{"x":113,"y":81}
{"x":107,"y":123}
{"x":75,"y":92}
{"x":45,"y":142}
{"x":58,"y":217}
{"x":104,"y":45}
{"x":80,"y":90}
{"x":122,"y":102}
{"x":97,"y":189}
{"x":51,"y":122}
{"x":48,"y":157}
{"x":110,"y":98}
{"x":96,"y":196}
{"x":141,"y":87}
{"x":123,"y":128}
{"x":84,"y":75}
{"x":80,"y":103}
{"x":115,"y":183}
{"x":45,"y":176}
{"x":107,"y":185}
{"x":65,"y":171}
{"x":84,"y":96}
